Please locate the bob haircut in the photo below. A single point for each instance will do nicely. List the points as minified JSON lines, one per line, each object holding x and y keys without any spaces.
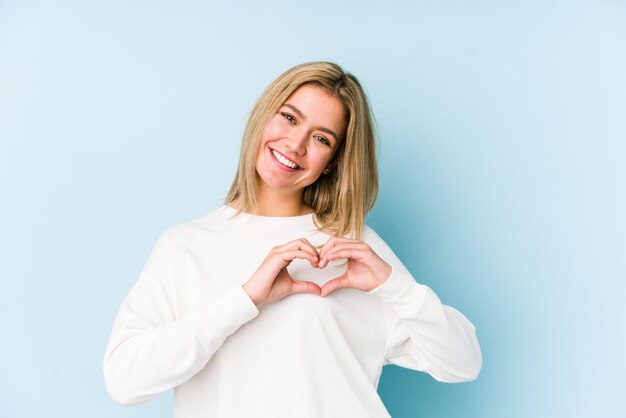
{"x":341,"y":198}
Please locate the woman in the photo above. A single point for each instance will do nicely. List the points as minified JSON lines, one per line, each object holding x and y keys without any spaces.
{"x":246,"y":311}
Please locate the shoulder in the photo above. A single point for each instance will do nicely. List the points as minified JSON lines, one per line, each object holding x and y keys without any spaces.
{"x":381,"y":246}
{"x":369,"y":234}
{"x":199,"y":228}
{"x":374,"y":239}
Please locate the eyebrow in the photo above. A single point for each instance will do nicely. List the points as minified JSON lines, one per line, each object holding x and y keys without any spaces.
{"x":321,"y":128}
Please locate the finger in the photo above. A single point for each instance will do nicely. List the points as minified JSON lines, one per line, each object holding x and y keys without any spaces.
{"x":286,"y":257}
{"x":332,"y":242}
{"x":310,"y":246}
{"x":304,"y":245}
{"x":333,"y":252}
{"x":308,"y":243}
{"x":328,"y":244}
{"x":303,"y":286}
{"x":352,"y":253}
{"x":334,"y":284}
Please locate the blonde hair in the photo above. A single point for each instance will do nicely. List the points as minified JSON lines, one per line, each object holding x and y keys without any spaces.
{"x":342,"y":198}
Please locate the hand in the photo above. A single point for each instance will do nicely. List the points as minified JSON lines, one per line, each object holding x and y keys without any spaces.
{"x":272,"y":282}
{"x":366,"y":270}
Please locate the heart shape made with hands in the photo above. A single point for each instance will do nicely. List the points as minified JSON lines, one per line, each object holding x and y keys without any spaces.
{"x":313,"y":278}
{"x":364,"y":269}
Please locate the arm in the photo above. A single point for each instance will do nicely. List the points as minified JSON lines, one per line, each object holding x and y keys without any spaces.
{"x":150,"y":349}
{"x":427,"y":335}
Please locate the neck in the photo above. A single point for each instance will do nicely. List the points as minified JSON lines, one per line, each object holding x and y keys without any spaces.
{"x":275,"y":203}
{"x":271,"y":203}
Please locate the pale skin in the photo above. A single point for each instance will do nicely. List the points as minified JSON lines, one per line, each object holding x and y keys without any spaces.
{"x":306,"y":130}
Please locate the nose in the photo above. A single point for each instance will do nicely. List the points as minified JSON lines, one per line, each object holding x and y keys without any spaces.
{"x":296,"y":141}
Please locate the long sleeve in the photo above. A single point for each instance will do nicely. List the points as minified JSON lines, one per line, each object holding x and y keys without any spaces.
{"x":151,"y":350}
{"x":427,"y":335}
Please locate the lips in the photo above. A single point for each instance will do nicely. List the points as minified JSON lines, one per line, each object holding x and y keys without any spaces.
{"x":281,"y":164}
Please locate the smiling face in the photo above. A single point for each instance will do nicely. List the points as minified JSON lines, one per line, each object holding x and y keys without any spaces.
{"x":300,"y":140}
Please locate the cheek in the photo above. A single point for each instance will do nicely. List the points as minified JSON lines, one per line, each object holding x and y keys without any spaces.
{"x":319,"y":159}
{"x":274,"y":129}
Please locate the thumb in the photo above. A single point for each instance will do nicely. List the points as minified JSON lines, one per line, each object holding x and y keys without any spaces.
{"x":334,"y":284}
{"x":303,"y":286}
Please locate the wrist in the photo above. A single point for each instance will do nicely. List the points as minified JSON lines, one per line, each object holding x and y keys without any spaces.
{"x":250,"y":294}
{"x":387,"y":273}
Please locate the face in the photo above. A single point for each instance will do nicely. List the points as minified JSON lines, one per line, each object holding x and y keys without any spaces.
{"x":300,"y":140}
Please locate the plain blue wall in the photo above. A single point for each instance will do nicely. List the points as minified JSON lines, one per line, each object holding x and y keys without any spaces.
{"x":502,"y":169}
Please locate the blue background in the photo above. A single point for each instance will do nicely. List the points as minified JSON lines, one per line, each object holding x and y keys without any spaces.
{"x":502,"y":167}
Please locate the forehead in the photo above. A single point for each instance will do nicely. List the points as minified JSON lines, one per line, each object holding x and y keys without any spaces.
{"x":318,"y":106}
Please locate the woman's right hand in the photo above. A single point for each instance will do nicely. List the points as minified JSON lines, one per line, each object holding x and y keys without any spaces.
{"x":272,"y":282}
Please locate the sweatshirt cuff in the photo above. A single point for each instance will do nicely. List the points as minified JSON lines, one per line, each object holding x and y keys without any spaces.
{"x":224,"y":315}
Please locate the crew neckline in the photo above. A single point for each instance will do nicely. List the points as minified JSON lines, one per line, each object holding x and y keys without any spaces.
{"x":250,"y":219}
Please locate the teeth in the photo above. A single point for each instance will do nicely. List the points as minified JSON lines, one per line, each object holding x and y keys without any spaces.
{"x":284,"y":161}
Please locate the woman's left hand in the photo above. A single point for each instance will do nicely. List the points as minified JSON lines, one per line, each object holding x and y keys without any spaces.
{"x":366,"y":270}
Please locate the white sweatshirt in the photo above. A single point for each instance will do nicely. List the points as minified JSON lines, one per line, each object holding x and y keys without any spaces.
{"x":188,"y":324}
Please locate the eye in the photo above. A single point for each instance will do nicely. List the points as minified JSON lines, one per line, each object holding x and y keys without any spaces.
{"x":289,"y":117}
{"x":322,"y":139}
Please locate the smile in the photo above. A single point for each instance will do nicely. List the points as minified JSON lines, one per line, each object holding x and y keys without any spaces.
{"x":284,"y":161}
